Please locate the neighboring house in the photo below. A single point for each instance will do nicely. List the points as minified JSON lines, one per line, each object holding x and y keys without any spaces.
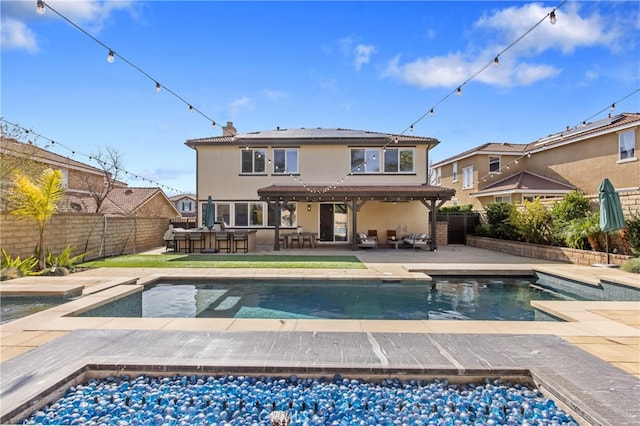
{"x":186,"y":204}
{"x":577,"y":158}
{"x":129,"y":201}
{"x":331,"y":182}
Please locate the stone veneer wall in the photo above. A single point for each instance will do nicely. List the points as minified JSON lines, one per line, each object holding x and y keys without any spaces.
{"x":100,"y":235}
{"x":538,"y":251}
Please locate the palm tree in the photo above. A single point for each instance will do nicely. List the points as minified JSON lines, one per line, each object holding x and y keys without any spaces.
{"x":37,"y":200}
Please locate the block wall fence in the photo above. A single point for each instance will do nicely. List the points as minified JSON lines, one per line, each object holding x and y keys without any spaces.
{"x":100,"y":235}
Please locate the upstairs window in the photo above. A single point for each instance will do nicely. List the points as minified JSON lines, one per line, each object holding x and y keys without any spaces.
{"x":365,"y":160}
{"x":467,"y":177}
{"x":494,"y":164}
{"x":399,"y":160}
{"x":253,"y":161}
{"x":454,"y":173}
{"x":439,"y":176}
{"x":627,"y":145}
{"x":285,"y":161}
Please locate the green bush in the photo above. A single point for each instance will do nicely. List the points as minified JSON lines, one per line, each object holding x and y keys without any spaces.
{"x":499,"y":220}
{"x":64,"y":259}
{"x":532,"y":221}
{"x":462,"y":208}
{"x":632,"y":265}
{"x":16,"y":266}
{"x":573,"y":206}
{"x":582,"y":233}
{"x":633,"y":234}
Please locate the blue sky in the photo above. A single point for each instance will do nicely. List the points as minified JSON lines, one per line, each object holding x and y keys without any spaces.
{"x":368,"y":65}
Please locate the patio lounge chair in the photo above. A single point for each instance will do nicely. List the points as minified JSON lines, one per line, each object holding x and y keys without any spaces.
{"x":417,"y":240}
{"x":364,"y":241}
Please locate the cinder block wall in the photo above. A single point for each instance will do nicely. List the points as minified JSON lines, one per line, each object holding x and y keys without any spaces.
{"x":100,"y":235}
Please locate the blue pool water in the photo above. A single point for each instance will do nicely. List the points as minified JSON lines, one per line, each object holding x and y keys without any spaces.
{"x":12,"y":308}
{"x":244,"y":400}
{"x":459,"y":298}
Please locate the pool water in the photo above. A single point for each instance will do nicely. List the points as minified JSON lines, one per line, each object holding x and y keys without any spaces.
{"x":12,"y":308}
{"x":245,"y":400}
{"x":442,"y":299}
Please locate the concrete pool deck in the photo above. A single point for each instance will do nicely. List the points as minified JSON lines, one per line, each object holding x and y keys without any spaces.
{"x":601,"y":340}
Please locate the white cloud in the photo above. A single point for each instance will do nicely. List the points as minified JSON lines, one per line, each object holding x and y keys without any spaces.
{"x":243,"y":103}
{"x":91,"y":15}
{"x":274,"y":95}
{"x":363,"y":53}
{"x":572,"y":31}
{"x":16,"y":35}
{"x":359,"y":53}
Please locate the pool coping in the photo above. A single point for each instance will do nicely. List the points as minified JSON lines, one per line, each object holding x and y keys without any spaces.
{"x":598,"y":392}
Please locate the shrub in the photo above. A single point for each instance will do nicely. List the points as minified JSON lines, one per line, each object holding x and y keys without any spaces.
{"x":10,"y":273}
{"x":582,"y":233}
{"x":64,"y":259}
{"x":532,"y":221}
{"x":632,"y":265}
{"x":24,"y":267}
{"x":633,"y":234}
{"x":462,"y":208}
{"x":499,"y":218}
{"x":573,"y":206}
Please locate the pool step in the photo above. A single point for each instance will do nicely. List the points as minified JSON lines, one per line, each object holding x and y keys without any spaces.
{"x":228,"y":303}
{"x":205,"y":297}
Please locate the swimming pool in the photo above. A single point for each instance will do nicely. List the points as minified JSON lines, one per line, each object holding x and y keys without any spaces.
{"x":12,"y":308}
{"x":447,"y":298}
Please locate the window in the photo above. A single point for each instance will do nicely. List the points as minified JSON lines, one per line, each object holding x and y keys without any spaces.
{"x":248,"y":214}
{"x":253,"y":161}
{"x":365,"y":160}
{"x":467,"y":177}
{"x":399,"y":160}
{"x":439,"y":176}
{"x":627,"y":145}
{"x":502,"y":199}
{"x":494,"y":164}
{"x":454,"y":173}
{"x":285,"y":160}
{"x":65,"y":178}
{"x":288,"y":215}
{"x":187,"y":206}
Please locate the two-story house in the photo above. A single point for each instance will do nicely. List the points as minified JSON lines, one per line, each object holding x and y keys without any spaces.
{"x":186,"y":204}
{"x":576,"y":158}
{"x":331,"y":182}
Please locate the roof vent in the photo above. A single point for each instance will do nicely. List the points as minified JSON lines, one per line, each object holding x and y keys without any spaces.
{"x":128,"y":192}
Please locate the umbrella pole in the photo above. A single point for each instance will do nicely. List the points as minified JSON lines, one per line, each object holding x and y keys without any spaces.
{"x":606,"y":239}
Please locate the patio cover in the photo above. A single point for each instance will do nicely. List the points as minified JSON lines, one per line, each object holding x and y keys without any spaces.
{"x":355,"y":196}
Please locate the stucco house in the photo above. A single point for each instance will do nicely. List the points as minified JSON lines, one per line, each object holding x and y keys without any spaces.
{"x":186,"y":204}
{"x":575,"y":158}
{"x":330,"y":182}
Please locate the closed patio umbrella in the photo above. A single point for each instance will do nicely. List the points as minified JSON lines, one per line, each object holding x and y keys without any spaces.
{"x":208,"y":221}
{"x":611,"y":216}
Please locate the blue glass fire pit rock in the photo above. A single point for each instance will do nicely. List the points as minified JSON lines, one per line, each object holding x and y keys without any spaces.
{"x":248,"y":400}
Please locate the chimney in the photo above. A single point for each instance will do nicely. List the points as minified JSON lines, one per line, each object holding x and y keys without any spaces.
{"x":229,"y":130}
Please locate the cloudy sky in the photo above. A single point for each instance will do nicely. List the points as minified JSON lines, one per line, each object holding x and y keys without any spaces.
{"x":368,"y":65}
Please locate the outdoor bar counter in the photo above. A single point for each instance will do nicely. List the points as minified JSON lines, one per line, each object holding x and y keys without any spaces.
{"x":205,"y":241}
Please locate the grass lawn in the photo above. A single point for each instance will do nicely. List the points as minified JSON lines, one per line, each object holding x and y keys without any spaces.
{"x":225,"y":261}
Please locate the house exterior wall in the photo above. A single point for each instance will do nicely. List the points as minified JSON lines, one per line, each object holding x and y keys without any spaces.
{"x":89,"y":232}
{"x":219,"y":175}
{"x":157,"y":206}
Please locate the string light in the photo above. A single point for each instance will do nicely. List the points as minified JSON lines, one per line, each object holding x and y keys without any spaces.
{"x":496,"y":62}
{"x":111,"y":56}
{"x":459,"y":91}
{"x":40,"y":8}
{"x":158,"y":87}
{"x":88,"y":156}
{"x":552,"y":17}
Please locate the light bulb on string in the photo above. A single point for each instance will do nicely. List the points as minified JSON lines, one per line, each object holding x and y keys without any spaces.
{"x":158,"y":87}
{"x":459,"y":91}
{"x":552,"y":17}
{"x":496,"y":62}
{"x":111,"y":56}
{"x":40,"y":8}
{"x":190,"y":108}
{"x":431,"y":112}
{"x":613,"y":107}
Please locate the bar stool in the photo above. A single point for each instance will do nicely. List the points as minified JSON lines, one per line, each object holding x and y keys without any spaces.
{"x":223,"y":237}
{"x":307,"y":236}
{"x":240,"y":238}
{"x":181,"y":237}
{"x":294,"y":238}
{"x":196,"y":237}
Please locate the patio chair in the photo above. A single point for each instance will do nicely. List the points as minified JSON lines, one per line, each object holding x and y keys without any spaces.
{"x":417,"y":240}
{"x":364,"y":241}
{"x":240,"y":238}
{"x":196,"y":237}
{"x":372,"y":233}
